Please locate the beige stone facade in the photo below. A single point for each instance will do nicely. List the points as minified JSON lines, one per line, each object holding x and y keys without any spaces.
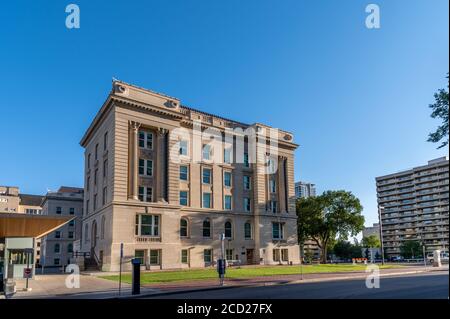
{"x":167,"y":180}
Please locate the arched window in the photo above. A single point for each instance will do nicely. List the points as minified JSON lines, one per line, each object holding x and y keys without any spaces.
{"x":86,"y":233}
{"x":70,"y":248}
{"x":247,"y":230}
{"x":207,"y":228}
{"x":183,"y":227}
{"x":102,"y":228}
{"x":228,"y":230}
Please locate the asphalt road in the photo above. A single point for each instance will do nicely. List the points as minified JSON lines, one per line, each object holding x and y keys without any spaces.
{"x":420,"y":286}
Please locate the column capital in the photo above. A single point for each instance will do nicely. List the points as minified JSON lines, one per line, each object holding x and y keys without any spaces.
{"x":134,"y":125}
{"x":162,"y":131}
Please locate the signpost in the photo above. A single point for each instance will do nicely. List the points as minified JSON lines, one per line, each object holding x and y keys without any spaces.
{"x":120,"y":267}
{"x":28,"y":272}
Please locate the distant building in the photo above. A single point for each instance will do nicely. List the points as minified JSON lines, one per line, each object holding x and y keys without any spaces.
{"x":372,"y":230}
{"x":414,"y":205}
{"x":30,"y":204}
{"x":9,"y":199}
{"x":57,"y":247}
{"x":304,"y":190}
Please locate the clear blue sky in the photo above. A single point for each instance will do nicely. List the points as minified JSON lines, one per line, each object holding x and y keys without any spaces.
{"x":356,"y":99}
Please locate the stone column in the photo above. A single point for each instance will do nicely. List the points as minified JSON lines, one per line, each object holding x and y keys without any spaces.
{"x":161,"y":174}
{"x":281,"y":185}
{"x":133,"y":160}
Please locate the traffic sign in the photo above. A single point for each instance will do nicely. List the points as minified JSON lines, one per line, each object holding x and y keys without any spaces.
{"x":27,"y":273}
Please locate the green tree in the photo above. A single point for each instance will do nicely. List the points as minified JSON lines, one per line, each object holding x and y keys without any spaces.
{"x":334,"y":214}
{"x":346,"y":250}
{"x":411,"y":249}
{"x":440,"y":110}
{"x":309,"y":255}
{"x":371,"y":241}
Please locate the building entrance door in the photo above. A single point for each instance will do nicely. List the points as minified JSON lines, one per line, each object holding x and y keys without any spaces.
{"x":250,"y":257}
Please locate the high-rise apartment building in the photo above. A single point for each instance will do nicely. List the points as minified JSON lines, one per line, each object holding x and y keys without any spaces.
{"x":414,"y":205}
{"x":305,"y":190}
{"x":166,"y":180}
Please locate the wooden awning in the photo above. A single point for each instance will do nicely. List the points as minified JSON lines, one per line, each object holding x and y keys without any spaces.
{"x":24,"y":225}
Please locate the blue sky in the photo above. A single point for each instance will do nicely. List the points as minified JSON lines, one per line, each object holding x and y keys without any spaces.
{"x":356,"y":99}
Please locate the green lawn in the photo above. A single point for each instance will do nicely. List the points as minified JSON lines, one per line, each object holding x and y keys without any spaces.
{"x":245,"y":272}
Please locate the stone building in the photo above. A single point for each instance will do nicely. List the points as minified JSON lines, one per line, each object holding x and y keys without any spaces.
{"x":166,"y":180}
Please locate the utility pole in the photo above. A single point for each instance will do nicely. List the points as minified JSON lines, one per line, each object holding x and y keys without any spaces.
{"x":381,"y":234}
{"x":120,"y":268}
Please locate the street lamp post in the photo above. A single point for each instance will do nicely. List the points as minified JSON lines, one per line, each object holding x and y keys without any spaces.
{"x":381,"y":233}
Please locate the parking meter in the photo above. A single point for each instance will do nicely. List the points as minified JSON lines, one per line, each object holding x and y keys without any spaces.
{"x":136,"y":276}
{"x":221,"y":266}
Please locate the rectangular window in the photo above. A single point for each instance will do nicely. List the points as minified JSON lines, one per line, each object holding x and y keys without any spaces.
{"x":227,"y":202}
{"x":72,"y":223}
{"x":89,"y":161}
{"x":140,"y":254}
{"x":184,"y":175}
{"x":276,"y":255}
{"x":96,"y":151}
{"x":72,"y":211}
{"x":246,"y":162}
{"x":247,"y":182}
{"x":58,"y":210}
{"x":206,"y":176}
{"x":70,"y":234}
{"x":277,"y":230}
{"x":147,"y":225}
{"x":273,"y":206}
{"x":207,"y":255}
{"x":206,"y":200}
{"x":227,"y":179}
{"x":88,"y":183}
{"x":105,"y":141}
{"x":57,"y":234}
{"x":154,"y":256}
{"x":272,"y":185}
{"x":105,"y":168}
{"x":247,"y":204}
{"x":229,"y":254}
{"x":284,"y":254}
{"x":184,"y":198}
{"x":206,"y":152}
{"x":57,"y":248}
{"x":95,"y":176}
{"x":145,"y":167}
{"x":56,"y":261}
{"x":184,"y":256}
{"x":184,"y":147}
{"x":227,"y":155}
{"x":145,"y":194}
{"x":104,"y":195}
{"x":146,"y":140}
{"x":95,"y":202}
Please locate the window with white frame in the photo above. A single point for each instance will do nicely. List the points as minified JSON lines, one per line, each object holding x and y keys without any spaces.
{"x":206,"y":175}
{"x":273,"y":206}
{"x":247,"y":182}
{"x":183,"y":147}
{"x":229,"y":254}
{"x":227,"y":152}
{"x":227,"y":179}
{"x":206,"y":152}
{"x":147,"y":225}
{"x":145,"y":167}
{"x":145,"y":194}
{"x":227,"y":202}
{"x":206,"y":200}
{"x":277,"y":230}
{"x":155,"y":256}
{"x":146,"y":140}
{"x":207,"y":255}
{"x":184,"y":173}
{"x":247,"y":204}
{"x":272,"y":185}
{"x":184,"y":198}
{"x":184,"y":256}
